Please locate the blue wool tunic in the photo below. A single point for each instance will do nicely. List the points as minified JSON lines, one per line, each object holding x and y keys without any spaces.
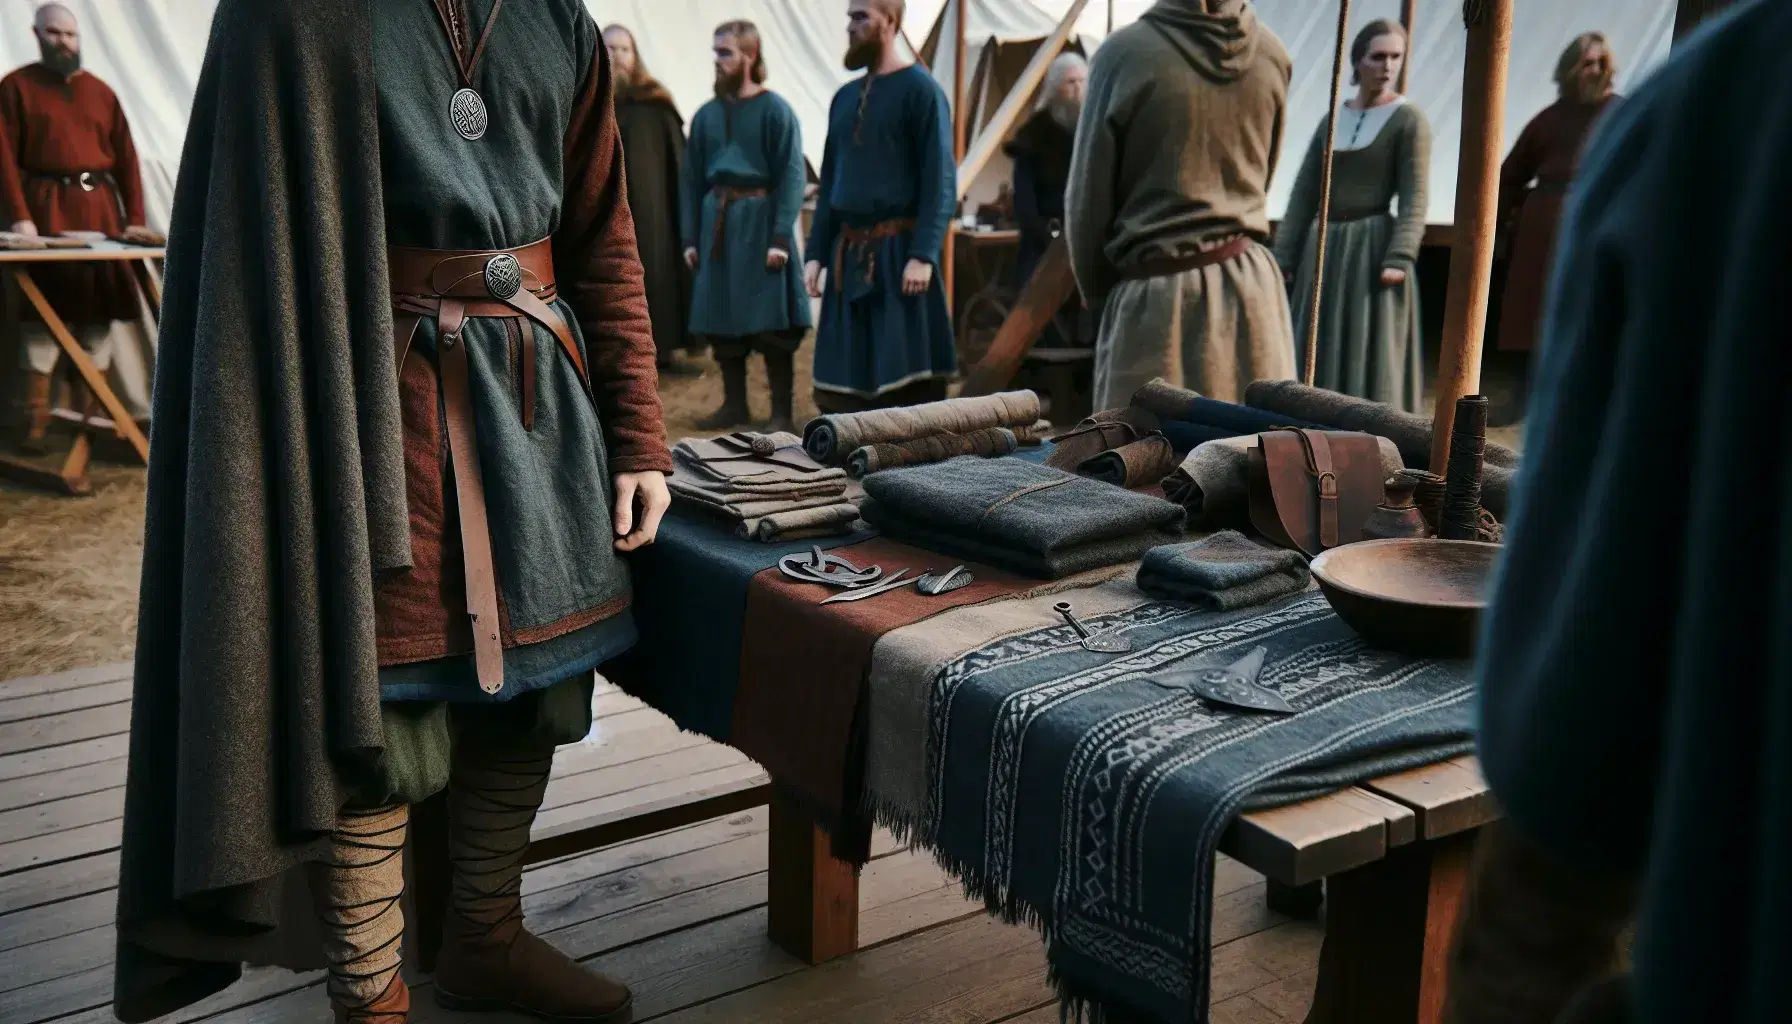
{"x":888,"y":158}
{"x":752,"y":144}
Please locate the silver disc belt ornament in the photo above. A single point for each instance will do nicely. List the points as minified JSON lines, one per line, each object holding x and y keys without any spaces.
{"x":467,"y":110}
{"x":503,"y":277}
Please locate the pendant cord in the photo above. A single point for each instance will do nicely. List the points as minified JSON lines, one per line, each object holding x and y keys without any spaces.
{"x":451,"y":25}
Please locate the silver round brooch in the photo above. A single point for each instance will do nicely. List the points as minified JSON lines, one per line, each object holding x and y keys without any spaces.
{"x":467,"y":111}
{"x":503,"y":276}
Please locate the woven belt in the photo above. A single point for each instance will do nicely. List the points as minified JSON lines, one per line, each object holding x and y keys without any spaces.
{"x":1172,"y":266}
{"x":856,"y":238}
{"x":450,"y":285}
{"x":726,"y":197}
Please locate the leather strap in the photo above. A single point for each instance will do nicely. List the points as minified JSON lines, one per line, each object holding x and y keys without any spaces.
{"x":725,"y":197}
{"x":1170,"y":267}
{"x":1319,"y":463}
{"x":469,"y":493}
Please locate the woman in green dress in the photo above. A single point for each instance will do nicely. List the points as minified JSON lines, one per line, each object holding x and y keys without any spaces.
{"x":1368,"y":339}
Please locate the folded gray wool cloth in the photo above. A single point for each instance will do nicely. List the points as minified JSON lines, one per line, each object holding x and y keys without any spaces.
{"x":746,"y":506}
{"x":1017,"y":515}
{"x":1222,"y":572}
{"x":1213,"y":483}
{"x":830,"y":439}
{"x":749,"y":463}
{"x":830,"y":520}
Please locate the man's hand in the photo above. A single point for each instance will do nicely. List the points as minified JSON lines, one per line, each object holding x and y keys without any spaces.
{"x":1392,"y":276}
{"x":690,"y":257}
{"x":25,"y":227}
{"x":915,"y":277}
{"x":812,"y":278}
{"x":137,"y":234}
{"x":641,"y":502}
{"x":775,"y":259}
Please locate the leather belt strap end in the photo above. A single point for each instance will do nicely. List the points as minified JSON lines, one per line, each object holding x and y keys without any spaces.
{"x":469,"y":492}
{"x":1319,"y":461}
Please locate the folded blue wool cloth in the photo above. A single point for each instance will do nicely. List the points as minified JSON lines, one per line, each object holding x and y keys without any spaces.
{"x":1223,"y":572}
{"x":1018,"y":515}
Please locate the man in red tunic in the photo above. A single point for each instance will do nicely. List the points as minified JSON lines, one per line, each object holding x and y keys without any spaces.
{"x":67,"y":164}
{"x":1533,"y":182}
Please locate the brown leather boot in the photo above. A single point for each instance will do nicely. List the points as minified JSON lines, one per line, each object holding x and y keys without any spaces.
{"x":392,"y":1008}
{"x":37,"y":414}
{"x":488,"y":960}
{"x":780,"y":372}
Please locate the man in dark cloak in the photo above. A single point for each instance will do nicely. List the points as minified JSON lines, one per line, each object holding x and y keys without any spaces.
{"x":1041,"y":152}
{"x":67,"y":163}
{"x":406,"y":431}
{"x":1636,"y":663}
{"x":653,"y":151}
{"x":742,"y":194}
{"x":888,"y":192}
{"x":1533,"y":181}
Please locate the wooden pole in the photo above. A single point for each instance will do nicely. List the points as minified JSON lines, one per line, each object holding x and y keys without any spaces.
{"x":1111,"y":16}
{"x":1489,"y":25}
{"x":961,"y":14}
{"x":1408,"y":21}
{"x":1311,"y":366}
{"x":1019,"y":100}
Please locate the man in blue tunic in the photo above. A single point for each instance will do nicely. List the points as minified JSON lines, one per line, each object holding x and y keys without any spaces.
{"x":742,"y":190}
{"x":888,"y":192}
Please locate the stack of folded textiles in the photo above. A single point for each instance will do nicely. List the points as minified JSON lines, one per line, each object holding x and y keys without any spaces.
{"x":1185,"y":419}
{"x":1018,"y":515}
{"x":766,"y":485}
{"x":879,"y":439}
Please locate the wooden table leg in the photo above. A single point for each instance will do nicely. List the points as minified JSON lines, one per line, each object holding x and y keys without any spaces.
{"x":121,"y":418}
{"x":813,"y":898}
{"x":1388,"y":930}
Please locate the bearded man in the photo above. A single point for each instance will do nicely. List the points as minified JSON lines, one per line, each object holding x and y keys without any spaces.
{"x":406,"y":431}
{"x":653,"y":151}
{"x":743,"y":192}
{"x":1167,"y":208}
{"x":889,"y":188}
{"x":67,"y":163}
{"x":1041,"y":152}
{"x":1533,"y":182}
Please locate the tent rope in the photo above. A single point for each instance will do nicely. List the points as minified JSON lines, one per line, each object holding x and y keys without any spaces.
{"x":1325,"y":200}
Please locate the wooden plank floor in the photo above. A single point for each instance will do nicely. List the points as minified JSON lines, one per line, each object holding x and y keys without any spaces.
{"x":679,"y":915}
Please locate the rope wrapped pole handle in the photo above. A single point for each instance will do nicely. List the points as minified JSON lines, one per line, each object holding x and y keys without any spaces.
{"x":1311,"y":367}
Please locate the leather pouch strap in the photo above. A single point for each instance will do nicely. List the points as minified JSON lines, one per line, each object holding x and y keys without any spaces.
{"x":469,"y":493}
{"x":1319,"y":463}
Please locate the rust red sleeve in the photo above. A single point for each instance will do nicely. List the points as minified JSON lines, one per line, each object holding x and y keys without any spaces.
{"x":599,"y":274}
{"x":12,"y":140}
{"x":125,"y":169}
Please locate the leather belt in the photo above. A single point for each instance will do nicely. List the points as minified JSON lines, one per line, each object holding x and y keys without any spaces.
{"x":725,"y":197}
{"x":856,"y":238}
{"x":451,"y":285}
{"x":87,"y":180}
{"x":1319,"y":463}
{"x":1172,"y":266}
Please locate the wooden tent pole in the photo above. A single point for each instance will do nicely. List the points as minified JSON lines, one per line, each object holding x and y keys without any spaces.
{"x":1408,"y":21}
{"x":961,"y":12}
{"x":1311,"y":366}
{"x":1019,"y":99}
{"x":1489,"y":25}
{"x":1111,"y":16}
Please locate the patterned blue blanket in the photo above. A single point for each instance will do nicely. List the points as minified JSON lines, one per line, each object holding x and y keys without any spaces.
{"x":1069,"y":791}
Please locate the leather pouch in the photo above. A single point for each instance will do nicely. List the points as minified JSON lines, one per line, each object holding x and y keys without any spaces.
{"x":1312,"y":490}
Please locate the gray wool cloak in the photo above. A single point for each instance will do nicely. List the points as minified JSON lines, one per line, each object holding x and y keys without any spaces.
{"x":275,"y":383}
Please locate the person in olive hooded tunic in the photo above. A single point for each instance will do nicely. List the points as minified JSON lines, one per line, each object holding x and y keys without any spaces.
{"x":406,"y":428}
{"x":1166,"y":211}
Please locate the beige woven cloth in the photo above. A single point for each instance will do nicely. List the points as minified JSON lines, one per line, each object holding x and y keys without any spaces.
{"x":830,"y":439}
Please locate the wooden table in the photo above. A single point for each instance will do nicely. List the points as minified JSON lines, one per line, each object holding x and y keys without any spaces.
{"x":71,"y":477}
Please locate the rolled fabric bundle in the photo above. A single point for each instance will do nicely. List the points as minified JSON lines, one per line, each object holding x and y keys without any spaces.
{"x":1461,"y":519}
{"x":1139,"y":464}
{"x":797,"y":524}
{"x":830,"y":439}
{"x":1411,"y":433}
{"x":1101,"y":432}
{"x":1215,"y":418}
{"x":989,"y":442}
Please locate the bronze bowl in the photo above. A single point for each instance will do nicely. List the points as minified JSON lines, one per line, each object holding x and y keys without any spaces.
{"x":1412,"y":595}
